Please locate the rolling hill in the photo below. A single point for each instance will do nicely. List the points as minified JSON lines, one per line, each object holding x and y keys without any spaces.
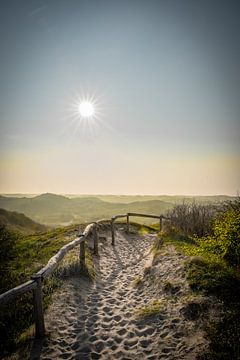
{"x":19,"y":222}
{"x":57,"y":210}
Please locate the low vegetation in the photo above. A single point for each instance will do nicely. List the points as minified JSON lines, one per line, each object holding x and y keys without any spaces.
{"x":144,"y":229}
{"x":153,"y":308}
{"x":213,"y":267}
{"x":20,"y":257}
{"x":15,"y":221}
{"x":192,"y":219}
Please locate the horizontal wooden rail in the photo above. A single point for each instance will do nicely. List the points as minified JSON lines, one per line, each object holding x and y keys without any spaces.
{"x":149,"y":216}
{"x":102,"y":221}
{"x":53,"y":262}
{"x":146,"y":215}
{"x":17,"y":291}
{"x":119,"y":216}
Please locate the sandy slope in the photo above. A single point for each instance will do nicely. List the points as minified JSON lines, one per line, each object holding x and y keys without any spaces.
{"x":98,"y":320}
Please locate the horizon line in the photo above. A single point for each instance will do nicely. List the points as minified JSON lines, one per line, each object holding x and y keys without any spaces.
{"x":112,"y":194}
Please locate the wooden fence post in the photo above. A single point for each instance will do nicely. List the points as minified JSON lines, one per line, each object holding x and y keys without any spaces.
{"x":95,"y":239}
{"x":161,"y":223}
{"x":113,"y":231}
{"x":127,"y":223}
{"x":82,"y":256}
{"x":38,"y":307}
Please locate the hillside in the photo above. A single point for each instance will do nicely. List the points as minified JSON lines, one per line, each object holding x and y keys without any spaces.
{"x":59,"y":210}
{"x":19,"y":222}
{"x":56,"y":210}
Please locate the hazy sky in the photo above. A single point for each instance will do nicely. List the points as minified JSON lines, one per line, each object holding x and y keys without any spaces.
{"x":165,"y":79}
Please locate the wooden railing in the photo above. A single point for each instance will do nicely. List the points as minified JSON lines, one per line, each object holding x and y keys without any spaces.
{"x":36,"y":281}
{"x":114,"y":218}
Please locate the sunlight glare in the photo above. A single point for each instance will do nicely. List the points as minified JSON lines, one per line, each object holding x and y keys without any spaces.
{"x":85,"y":116}
{"x":86,"y":109}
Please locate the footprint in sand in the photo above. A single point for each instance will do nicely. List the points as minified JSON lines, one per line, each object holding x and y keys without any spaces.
{"x":98,"y":321}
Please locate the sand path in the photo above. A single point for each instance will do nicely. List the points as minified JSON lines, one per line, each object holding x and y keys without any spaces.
{"x":98,"y":320}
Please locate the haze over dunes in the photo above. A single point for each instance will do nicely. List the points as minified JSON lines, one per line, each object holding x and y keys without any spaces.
{"x":55,"y":209}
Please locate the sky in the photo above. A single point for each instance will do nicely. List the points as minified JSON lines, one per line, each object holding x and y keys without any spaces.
{"x":163,"y":76}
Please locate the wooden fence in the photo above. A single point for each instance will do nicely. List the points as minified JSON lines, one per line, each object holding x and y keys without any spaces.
{"x":114,"y":218}
{"x":37,"y":279}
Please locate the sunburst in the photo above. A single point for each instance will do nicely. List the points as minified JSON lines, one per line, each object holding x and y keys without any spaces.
{"x":85,"y":116}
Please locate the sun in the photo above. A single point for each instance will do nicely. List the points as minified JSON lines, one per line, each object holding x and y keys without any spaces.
{"x":84,"y":115}
{"x":86,"y":109}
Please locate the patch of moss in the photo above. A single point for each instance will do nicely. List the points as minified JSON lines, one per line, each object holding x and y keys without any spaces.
{"x":155,"y":307}
{"x":144,"y":230}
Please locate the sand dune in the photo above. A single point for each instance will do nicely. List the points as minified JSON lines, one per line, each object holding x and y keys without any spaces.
{"x":99,"y":320}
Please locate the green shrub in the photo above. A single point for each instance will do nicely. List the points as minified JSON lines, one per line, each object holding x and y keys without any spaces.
{"x":214,"y":277}
{"x":225,"y":241}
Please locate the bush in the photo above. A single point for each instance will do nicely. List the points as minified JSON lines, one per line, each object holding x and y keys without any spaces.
{"x":192,"y":219}
{"x":225,"y":240}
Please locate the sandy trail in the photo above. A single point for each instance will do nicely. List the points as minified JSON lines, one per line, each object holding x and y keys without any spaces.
{"x":98,"y":320}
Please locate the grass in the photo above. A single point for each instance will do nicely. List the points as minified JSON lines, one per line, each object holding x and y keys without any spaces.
{"x":157,"y":246}
{"x":155,"y":307}
{"x":143,"y":229}
{"x":209,"y":274}
{"x":32,"y":252}
{"x":90,"y":269}
{"x":29,"y":254}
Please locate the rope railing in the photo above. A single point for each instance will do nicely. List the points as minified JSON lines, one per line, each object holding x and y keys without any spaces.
{"x":36,"y":282}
